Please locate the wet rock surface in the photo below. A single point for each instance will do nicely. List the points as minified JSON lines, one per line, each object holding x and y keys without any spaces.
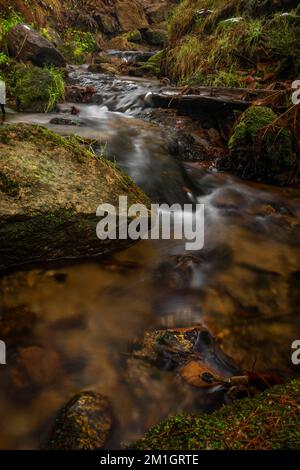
{"x":83,"y":424}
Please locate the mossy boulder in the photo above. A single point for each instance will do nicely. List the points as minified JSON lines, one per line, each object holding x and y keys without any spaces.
{"x":259,"y":148}
{"x":270,"y":420}
{"x":152,"y":66}
{"x":50,"y":188}
{"x":36,"y":89}
{"x":134,"y":36}
{"x":83,"y":424}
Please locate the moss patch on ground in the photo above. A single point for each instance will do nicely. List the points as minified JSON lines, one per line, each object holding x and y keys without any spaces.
{"x":271,"y":420}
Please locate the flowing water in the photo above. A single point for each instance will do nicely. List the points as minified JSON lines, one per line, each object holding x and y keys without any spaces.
{"x":85,"y":316}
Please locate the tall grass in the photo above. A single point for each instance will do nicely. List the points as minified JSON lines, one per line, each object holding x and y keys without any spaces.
{"x":214,"y":49}
{"x":56,"y":92}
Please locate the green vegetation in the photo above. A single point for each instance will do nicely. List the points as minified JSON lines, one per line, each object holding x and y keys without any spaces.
{"x":7,"y":23}
{"x":134,"y":36}
{"x":57,"y":89}
{"x":232,"y":41}
{"x":76,"y":45}
{"x":4,"y":59}
{"x":260,"y":146}
{"x":46,"y":34}
{"x":35,"y":88}
{"x":267,"y":421}
{"x":153,"y":65}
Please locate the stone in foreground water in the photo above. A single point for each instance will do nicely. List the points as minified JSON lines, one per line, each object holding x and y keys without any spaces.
{"x":82,"y":424}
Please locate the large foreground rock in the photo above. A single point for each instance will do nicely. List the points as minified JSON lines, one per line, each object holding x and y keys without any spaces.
{"x":50,"y":189}
{"x":25,"y":44}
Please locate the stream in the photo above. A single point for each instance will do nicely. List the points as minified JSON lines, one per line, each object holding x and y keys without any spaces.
{"x":243,"y":286}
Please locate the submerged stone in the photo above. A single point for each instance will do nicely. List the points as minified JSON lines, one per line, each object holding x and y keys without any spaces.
{"x":82,"y":424}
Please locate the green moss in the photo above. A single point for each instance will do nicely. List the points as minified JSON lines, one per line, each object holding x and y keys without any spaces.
{"x":134,"y":36}
{"x":260,"y":146}
{"x":35,"y":88}
{"x":268,"y":421}
{"x":153,"y":65}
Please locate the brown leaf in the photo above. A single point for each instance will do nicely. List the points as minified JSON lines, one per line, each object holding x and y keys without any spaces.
{"x":197,"y":374}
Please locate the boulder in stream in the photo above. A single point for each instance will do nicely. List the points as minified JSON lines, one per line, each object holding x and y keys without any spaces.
{"x":261,"y":147}
{"x":82,"y":424}
{"x":26,"y":44}
{"x":50,"y":188}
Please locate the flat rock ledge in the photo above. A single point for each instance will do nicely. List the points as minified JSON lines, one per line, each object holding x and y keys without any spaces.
{"x":50,"y":188}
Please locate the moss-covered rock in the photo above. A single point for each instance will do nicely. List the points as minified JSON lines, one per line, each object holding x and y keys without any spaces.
{"x":152,"y":66}
{"x":134,"y":36}
{"x":36,"y":89}
{"x":259,"y":148}
{"x":50,"y":188}
{"x":270,"y":420}
{"x":83,"y":424}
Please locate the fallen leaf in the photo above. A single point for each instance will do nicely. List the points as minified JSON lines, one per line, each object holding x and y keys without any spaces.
{"x":199,"y":375}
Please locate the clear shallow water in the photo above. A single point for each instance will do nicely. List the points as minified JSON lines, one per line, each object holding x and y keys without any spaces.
{"x":244,"y":286}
